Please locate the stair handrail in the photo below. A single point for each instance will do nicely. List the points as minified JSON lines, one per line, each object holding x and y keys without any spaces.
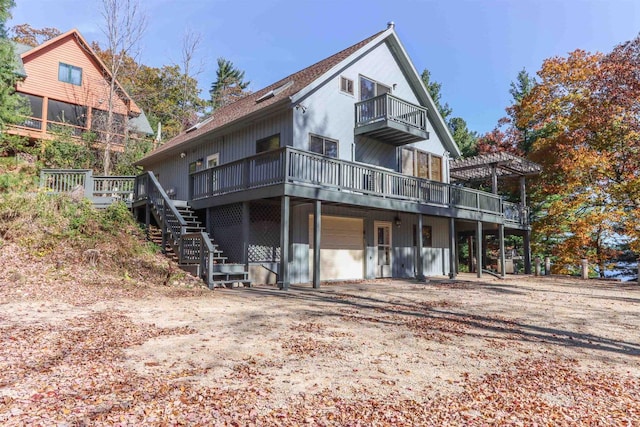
{"x":166,"y":204}
{"x":206,"y":253}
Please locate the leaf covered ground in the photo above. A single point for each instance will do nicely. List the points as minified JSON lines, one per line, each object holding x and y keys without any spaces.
{"x":130,"y":341}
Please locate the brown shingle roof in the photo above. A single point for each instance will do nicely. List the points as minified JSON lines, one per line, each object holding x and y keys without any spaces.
{"x":248,"y":105}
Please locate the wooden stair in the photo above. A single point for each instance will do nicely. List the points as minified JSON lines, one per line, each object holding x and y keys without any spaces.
{"x":223,"y":273}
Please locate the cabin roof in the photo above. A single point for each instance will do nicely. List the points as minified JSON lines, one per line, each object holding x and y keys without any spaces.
{"x":481,"y":167}
{"x":269,"y":96}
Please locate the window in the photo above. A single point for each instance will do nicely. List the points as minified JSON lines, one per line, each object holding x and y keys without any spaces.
{"x":346,"y":85}
{"x":193,"y":166}
{"x":70,"y":74}
{"x":213,"y":160}
{"x":267,"y":144}
{"x":62,"y":112}
{"x":322,"y":145}
{"x":426,"y":236}
{"x":422,"y":164}
{"x":370,"y":88}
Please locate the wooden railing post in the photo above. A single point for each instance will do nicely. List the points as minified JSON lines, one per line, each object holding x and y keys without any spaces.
{"x":88,"y":185}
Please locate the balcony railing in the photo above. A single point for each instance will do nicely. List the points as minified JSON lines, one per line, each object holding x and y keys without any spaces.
{"x":290,"y":165}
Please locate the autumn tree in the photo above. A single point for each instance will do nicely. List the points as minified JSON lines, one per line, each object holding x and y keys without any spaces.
{"x":123,"y":27}
{"x":585,"y":114}
{"x":26,"y":34}
{"x":228,"y":86}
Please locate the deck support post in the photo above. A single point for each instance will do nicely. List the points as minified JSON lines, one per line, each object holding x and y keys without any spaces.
{"x":479,"y":245}
{"x":419,"y":250}
{"x":453,"y":253}
{"x":523,"y":192}
{"x":503,"y":263}
{"x":527,"y":252}
{"x":494,"y":179}
{"x":246,"y":223}
{"x":317,"y":233}
{"x":284,"y":244}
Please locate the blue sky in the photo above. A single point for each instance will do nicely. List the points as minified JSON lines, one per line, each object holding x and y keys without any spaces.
{"x":474,"y":48}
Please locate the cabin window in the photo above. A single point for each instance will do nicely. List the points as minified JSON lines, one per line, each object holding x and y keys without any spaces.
{"x":70,"y":74}
{"x":213,"y":160}
{"x":321,"y":145}
{"x":426,"y":236}
{"x":62,"y":112}
{"x":422,"y":164}
{"x":267,"y":144}
{"x":370,"y":88}
{"x":346,"y":85}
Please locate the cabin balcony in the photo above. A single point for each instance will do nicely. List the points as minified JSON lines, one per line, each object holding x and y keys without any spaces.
{"x":306,"y":175}
{"x":391,"y":119}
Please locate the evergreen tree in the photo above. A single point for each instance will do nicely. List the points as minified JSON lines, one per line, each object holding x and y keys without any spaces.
{"x":228,"y":86}
{"x":12,"y":106}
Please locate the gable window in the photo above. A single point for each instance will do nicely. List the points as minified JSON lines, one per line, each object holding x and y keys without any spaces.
{"x":70,"y":74}
{"x":266,"y":144}
{"x":321,"y":145}
{"x":346,"y":85}
{"x":370,"y":88}
{"x":422,"y":164}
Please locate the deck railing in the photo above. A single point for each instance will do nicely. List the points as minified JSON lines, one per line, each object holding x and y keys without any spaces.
{"x":389,"y":107}
{"x":291,"y":165}
{"x":101,"y":190}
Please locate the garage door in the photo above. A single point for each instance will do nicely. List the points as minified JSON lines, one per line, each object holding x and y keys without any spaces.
{"x":341,"y":248}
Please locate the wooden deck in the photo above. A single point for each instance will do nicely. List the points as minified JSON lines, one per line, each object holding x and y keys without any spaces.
{"x":299,"y":173}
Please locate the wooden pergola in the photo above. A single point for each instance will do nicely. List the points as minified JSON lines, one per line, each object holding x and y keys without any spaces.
{"x":491,"y":167}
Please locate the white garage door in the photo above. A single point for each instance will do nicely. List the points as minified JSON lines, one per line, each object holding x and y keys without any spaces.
{"x":341,"y":248}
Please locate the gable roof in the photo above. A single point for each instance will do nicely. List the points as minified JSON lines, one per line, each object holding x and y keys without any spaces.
{"x":291,"y":89}
{"x":87,"y":47}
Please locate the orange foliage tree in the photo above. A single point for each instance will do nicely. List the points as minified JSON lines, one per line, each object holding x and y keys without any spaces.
{"x":581,"y":122}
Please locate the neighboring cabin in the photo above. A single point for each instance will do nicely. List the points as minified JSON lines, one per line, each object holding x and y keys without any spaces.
{"x":67,"y":85}
{"x":356,"y":137}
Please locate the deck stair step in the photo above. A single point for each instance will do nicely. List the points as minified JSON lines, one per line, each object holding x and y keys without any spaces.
{"x":223,"y":273}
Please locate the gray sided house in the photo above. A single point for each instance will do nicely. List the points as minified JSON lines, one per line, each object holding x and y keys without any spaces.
{"x":339,"y":171}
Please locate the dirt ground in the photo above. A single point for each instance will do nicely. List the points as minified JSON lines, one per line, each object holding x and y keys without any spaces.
{"x":519,"y":351}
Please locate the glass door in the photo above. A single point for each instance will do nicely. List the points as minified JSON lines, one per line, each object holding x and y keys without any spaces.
{"x":383,"y":249}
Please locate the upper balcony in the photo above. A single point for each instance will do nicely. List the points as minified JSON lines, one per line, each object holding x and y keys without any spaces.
{"x":391,"y":119}
{"x":299,"y":173}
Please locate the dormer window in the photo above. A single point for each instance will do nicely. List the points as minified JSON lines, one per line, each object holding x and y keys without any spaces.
{"x":70,"y":74}
{"x":346,"y":85}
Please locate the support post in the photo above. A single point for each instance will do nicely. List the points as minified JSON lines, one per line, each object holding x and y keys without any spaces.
{"x":419,"y":252}
{"x":479,"y":246}
{"x":246,"y":222}
{"x":453,"y":252}
{"x":523,"y":192}
{"x":585,"y":269}
{"x":503,"y":262}
{"x":317,"y":233}
{"x":547,"y":266}
{"x":527,"y":252}
{"x":470,"y":245}
{"x":538,"y":265}
{"x":494,"y":179}
{"x":284,"y":244}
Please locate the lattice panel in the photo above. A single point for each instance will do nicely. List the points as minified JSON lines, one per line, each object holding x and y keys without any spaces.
{"x":226,"y":226}
{"x":264,"y":237}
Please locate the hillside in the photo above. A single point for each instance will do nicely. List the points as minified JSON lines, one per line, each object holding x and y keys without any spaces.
{"x":53,"y":245}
